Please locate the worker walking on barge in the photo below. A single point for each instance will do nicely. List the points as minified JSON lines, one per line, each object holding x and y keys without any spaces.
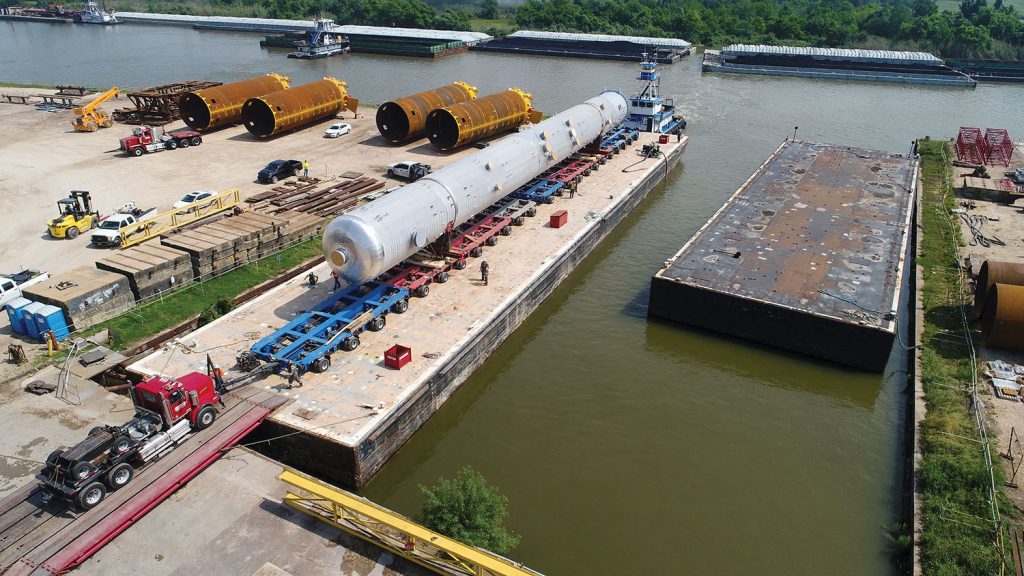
{"x":305,"y":168}
{"x":485,"y":268}
{"x":337,"y":280}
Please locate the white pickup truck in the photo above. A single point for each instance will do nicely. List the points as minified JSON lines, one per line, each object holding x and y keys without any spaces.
{"x":408,"y":170}
{"x":11,"y":285}
{"x":109,"y":231}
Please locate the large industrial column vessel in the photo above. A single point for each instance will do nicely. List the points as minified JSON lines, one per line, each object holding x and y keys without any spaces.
{"x":467,"y":122}
{"x":369,"y":240}
{"x":405,"y":118}
{"x":295,"y":107}
{"x":222,"y":105}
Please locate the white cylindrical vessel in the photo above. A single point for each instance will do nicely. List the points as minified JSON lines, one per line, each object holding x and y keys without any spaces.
{"x":369,"y":240}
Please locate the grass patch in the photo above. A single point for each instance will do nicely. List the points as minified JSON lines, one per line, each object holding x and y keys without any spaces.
{"x":210,"y":299}
{"x":959,"y":536}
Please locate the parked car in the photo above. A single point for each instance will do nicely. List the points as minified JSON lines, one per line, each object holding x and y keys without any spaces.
{"x":337,"y":129}
{"x":279,"y":169}
{"x":189,"y":200}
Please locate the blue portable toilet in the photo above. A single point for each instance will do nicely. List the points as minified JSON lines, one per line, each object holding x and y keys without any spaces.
{"x":50,"y":317}
{"x":29,"y":317}
{"x":16,"y":314}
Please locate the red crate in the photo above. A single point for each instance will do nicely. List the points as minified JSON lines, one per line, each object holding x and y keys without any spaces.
{"x":663,"y":139}
{"x":397,"y":356}
{"x":559,"y":219}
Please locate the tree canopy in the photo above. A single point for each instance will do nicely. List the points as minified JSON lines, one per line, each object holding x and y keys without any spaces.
{"x":469,"y":510}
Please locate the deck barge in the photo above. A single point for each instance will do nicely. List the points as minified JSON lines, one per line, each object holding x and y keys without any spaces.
{"x":809,"y":255}
{"x":345,"y":423}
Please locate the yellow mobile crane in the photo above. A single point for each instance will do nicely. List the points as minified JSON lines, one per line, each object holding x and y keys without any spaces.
{"x":90,"y":117}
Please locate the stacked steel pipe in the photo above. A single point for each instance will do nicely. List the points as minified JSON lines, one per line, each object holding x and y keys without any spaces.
{"x":999,"y":302}
{"x":222,"y":105}
{"x":405,"y":118}
{"x":467,"y":122}
{"x":295,"y":107}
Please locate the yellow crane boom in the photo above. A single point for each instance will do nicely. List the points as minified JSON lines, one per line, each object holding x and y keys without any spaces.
{"x":89,"y":118}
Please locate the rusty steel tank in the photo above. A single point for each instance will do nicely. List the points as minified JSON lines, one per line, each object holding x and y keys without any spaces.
{"x":405,"y":118}
{"x":995,"y":272}
{"x":467,"y":122}
{"x":295,"y":107}
{"x":222,"y":105}
{"x":1002,"y":323}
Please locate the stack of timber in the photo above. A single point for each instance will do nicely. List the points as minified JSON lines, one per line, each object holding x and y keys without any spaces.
{"x":227,"y":243}
{"x":87,"y":295}
{"x":306,"y":195}
{"x":150,"y":268}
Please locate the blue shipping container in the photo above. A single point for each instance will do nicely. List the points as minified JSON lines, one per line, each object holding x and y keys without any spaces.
{"x":52,"y":318}
{"x":16,"y":314}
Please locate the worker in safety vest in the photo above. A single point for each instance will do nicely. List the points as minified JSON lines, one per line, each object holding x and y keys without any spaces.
{"x":305,"y":168}
{"x":485,"y":268}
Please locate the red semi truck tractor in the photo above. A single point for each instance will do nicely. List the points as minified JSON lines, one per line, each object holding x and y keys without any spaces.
{"x":167,"y":411}
{"x":143,"y":140}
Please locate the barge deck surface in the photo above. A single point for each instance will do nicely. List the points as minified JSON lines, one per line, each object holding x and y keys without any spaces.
{"x":808,"y":255}
{"x":345,"y":423}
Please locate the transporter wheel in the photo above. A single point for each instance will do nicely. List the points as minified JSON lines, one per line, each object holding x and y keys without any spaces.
{"x":459,"y":265}
{"x":72,"y":232}
{"x":586,"y":172}
{"x":505,"y":231}
{"x":205,"y":417}
{"x":441,"y":277}
{"x":184,"y":143}
{"x":321,"y":364}
{"x":549,"y":200}
{"x":491,"y":240}
{"x":377,"y":324}
{"x":82,"y":470}
{"x":120,"y":475}
{"x":171,"y":145}
{"x":120,"y":445}
{"x":422,"y":291}
{"x":532,"y":211}
{"x":196,"y":140}
{"x":400,"y":307}
{"x":351,"y":343}
{"x":518,"y":221}
{"x":137,"y":151}
{"x":476,"y":252}
{"x":88,"y":497}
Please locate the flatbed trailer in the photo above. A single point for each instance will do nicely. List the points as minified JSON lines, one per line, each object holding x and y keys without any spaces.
{"x":570,"y":173}
{"x":541,"y":191}
{"x":620,"y":138}
{"x":416,"y":275}
{"x":481,"y":230}
{"x":335,"y":324}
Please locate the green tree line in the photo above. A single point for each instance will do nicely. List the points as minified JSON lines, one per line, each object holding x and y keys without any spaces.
{"x":976,"y":29}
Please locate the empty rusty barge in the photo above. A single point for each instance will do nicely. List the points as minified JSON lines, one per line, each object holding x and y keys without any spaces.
{"x":809,"y":255}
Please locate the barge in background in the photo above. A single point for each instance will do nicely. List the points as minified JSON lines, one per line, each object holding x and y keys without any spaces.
{"x":809,"y":255}
{"x":599,"y":46}
{"x":835,"y":64}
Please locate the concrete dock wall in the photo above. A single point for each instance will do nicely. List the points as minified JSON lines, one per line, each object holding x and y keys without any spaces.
{"x":353,"y":468}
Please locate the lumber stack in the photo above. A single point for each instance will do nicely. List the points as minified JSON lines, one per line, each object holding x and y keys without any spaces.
{"x":150,"y":268}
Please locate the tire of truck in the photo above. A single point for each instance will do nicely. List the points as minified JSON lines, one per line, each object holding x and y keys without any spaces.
{"x":184,"y":143}
{"x":88,"y":497}
{"x":72,"y":233}
{"x":459,"y":265}
{"x":117,"y":241}
{"x":196,"y":140}
{"x":82,"y":470}
{"x":171,"y":145}
{"x":400,"y":307}
{"x":205,"y":417}
{"x":351,"y":343}
{"x":119,"y":476}
{"x":391,"y":173}
{"x":377,"y":324}
{"x":441,"y":277}
{"x":120,"y":445}
{"x":422,"y":291}
{"x":53,"y":456}
{"x":321,"y":364}
{"x":137,"y":151}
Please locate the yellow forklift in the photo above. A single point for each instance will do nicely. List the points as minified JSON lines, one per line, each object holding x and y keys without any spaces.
{"x":76,"y":215}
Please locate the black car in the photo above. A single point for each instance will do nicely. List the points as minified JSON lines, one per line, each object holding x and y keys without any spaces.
{"x":279,"y":169}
